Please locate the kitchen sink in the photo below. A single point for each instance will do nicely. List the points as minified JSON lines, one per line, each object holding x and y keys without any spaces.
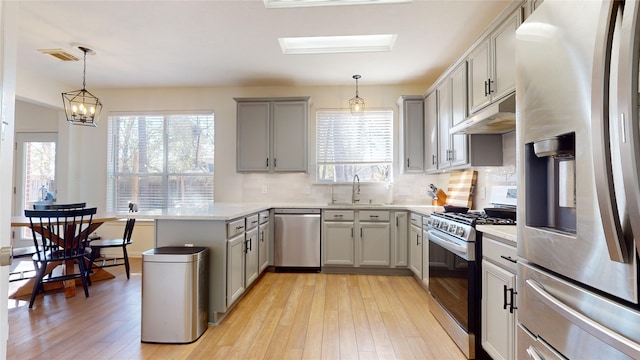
{"x":345,"y":204}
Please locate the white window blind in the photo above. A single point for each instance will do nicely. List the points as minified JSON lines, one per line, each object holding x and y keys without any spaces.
{"x":160,"y":161}
{"x":350,"y":145}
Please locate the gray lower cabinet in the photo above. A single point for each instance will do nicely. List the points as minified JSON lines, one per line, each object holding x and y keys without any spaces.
{"x":498,"y":294}
{"x":235,"y":268}
{"x":415,"y":245}
{"x":264,"y":241}
{"x":361,"y":238}
{"x":338,"y":241}
{"x":374,"y":242}
{"x":399,"y":233}
{"x":252,"y":266}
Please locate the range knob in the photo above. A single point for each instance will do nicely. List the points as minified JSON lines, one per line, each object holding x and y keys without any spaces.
{"x":460,"y":231}
{"x":452,"y":228}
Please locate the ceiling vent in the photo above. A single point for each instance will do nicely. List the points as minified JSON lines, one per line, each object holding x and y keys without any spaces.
{"x":60,"y":54}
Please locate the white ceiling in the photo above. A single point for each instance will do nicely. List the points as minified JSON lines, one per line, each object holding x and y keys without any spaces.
{"x":148,"y":43}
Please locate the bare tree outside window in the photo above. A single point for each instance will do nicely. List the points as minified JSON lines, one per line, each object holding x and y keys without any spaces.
{"x":161,"y":161}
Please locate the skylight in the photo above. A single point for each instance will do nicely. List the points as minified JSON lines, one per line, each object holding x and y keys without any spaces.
{"x":337,"y":44}
{"x":305,"y":3}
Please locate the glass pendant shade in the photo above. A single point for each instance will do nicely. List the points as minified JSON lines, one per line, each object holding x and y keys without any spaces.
{"x":356,"y":103}
{"x":80,"y":106}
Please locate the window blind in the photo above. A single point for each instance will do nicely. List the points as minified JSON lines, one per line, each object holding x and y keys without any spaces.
{"x":347,"y":145}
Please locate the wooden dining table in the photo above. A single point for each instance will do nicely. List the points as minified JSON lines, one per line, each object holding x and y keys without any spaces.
{"x":69,"y":285}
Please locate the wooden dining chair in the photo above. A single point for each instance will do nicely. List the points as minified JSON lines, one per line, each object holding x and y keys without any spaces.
{"x":68,"y":232}
{"x":109,"y":261}
{"x":72,"y":206}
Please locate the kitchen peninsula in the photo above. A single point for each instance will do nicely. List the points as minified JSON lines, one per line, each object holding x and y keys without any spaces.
{"x":238,"y":237}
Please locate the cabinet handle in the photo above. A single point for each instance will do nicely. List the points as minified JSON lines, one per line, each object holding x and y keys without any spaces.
{"x":250,"y":244}
{"x":396,"y":221}
{"x":512,"y":298}
{"x":433,"y":159}
{"x":486,"y":88}
{"x":504,"y":297}
{"x":338,"y":216}
{"x":417,"y":239}
{"x":262,"y":236}
{"x":239,"y":227}
{"x":509,"y":258}
{"x":275,"y":162}
{"x":490,"y":89}
{"x":352,"y":233}
{"x":254,"y":222}
{"x":374,"y":216}
{"x":407,"y":163}
{"x":360,"y":232}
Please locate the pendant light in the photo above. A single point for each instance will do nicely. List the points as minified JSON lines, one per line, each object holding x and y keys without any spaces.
{"x":80,"y":106}
{"x":356,"y":103}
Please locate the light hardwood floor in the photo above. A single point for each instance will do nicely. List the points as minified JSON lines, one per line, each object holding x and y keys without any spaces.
{"x":284,"y":316}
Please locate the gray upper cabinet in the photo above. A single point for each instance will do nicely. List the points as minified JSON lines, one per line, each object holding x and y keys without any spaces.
{"x":452,"y":103}
{"x":492,"y":65}
{"x":272,"y":135}
{"x":412,"y":117}
{"x":431,"y":132}
{"x":459,"y":154}
{"x":253,"y":119}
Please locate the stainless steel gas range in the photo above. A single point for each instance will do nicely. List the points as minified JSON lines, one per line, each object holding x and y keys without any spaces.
{"x":455,"y":249}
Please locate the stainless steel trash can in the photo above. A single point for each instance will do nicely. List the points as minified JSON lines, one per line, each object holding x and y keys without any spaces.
{"x":175,"y":294}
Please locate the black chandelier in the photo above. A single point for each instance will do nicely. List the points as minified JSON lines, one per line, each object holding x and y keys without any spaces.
{"x":80,"y":106}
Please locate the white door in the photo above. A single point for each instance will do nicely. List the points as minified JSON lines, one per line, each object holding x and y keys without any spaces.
{"x":34,"y":177}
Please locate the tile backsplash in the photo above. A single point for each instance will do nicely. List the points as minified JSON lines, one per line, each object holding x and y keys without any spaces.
{"x":406,"y":188}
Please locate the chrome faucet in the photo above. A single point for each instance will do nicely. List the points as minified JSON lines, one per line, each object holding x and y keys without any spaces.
{"x":355,"y":190}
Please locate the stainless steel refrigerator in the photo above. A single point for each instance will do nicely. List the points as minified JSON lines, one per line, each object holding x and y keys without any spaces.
{"x":578,"y":144}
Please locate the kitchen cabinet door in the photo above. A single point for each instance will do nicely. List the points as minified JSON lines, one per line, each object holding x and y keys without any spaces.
{"x":253,"y":138}
{"x":264,"y":245}
{"x":235,"y":268}
{"x":458,"y":142}
{"x":479,"y":62}
{"x":492,"y":65}
{"x":431,"y":132}
{"x":374,"y":244}
{"x":503,"y":42}
{"x":272,"y":135}
{"x":444,"y":123}
{"x":412,"y":134}
{"x":290,"y":136}
{"x":498,"y":323}
{"x":338,"y":243}
{"x":415,"y":250}
{"x":399,"y":239}
{"x":252,"y":267}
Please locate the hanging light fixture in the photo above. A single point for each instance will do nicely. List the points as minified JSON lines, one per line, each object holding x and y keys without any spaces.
{"x":356,"y":103}
{"x":80,"y":106}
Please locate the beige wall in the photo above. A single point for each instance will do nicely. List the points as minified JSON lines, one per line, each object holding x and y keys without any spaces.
{"x":83,"y":151}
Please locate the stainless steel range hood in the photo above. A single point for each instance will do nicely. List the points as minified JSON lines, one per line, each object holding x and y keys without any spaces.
{"x":497,"y":118}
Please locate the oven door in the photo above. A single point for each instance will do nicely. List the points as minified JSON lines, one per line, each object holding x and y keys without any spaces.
{"x":451,"y":277}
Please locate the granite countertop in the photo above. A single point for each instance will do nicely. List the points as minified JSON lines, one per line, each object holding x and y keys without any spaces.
{"x":506,"y":232}
{"x":229,"y":211}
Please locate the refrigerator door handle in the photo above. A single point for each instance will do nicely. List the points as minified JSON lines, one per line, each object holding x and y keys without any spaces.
{"x":601,"y":138}
{"x":601,"y":332}
{"x":627,"y":78}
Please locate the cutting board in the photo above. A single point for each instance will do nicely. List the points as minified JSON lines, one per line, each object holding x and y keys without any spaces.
{"x":461,"y":185}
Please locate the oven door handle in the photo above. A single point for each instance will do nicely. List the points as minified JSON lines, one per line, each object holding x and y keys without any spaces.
{"x":592,"y":327}
{"x":446,"y":243}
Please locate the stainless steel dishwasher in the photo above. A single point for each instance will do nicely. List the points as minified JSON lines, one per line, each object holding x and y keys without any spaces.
{"x":297,"y":240}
